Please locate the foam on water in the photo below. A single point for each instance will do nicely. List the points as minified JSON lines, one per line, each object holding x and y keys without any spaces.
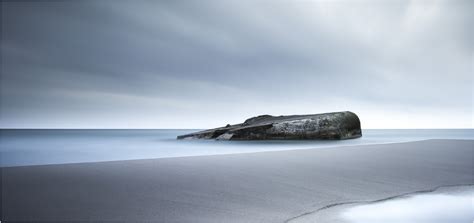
{"x":444,"y":207}
{"x":449,"y":204}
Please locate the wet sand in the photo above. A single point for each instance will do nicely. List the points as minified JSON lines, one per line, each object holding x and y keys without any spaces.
{"x":256,"y":187}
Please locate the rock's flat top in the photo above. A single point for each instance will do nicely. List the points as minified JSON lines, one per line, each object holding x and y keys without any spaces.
{"x":336,"y":125}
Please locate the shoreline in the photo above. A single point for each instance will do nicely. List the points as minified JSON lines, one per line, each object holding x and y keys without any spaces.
{"x":332,"y":212}
{"x":237,"y":153}
{"x":268,"y":186}
{"x":37,"y":147}
{"x":223,"y":154}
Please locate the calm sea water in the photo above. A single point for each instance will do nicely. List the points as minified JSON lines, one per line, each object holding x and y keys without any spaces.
{"x":34,"y":147}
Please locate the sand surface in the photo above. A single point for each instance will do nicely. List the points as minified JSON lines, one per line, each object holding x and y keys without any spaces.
{"x":255,"y":187}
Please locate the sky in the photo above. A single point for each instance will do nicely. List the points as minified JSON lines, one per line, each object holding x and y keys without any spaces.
{"x":203,"y":64}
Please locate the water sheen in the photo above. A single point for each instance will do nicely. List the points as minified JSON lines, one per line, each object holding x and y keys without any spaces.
{"x":33,"y":147}
{"x":456,"y":206}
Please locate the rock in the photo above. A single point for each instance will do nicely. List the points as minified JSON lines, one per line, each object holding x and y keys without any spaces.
{"x":336,"y":125}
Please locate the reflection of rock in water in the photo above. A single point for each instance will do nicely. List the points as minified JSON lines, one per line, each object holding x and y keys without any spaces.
{"x":337,"y":125}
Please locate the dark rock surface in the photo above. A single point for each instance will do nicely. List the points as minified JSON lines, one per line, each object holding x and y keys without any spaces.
{"x":336,"y":125}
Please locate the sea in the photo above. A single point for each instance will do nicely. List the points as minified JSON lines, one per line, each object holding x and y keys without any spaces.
{"x":25,"y":147}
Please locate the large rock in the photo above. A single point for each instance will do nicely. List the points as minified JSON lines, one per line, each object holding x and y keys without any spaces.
{"x":336,"y":125}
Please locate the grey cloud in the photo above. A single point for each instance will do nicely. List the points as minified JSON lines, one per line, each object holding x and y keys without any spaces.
{"x":83,"y":60}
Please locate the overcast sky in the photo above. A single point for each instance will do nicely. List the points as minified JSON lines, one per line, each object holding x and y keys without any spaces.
{"x":199,"y":64}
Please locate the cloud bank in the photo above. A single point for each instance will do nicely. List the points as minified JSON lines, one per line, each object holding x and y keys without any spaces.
{"x":199,"y":64}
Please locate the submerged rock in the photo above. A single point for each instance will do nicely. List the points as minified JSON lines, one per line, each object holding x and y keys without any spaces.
{"x":336,"y":125}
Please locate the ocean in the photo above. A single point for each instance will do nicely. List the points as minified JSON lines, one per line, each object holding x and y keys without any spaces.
{"x":39,"y":147}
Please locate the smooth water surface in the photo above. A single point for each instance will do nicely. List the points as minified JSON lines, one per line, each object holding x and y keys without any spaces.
{"x":457,"y":206}
{"x":33,"y":147}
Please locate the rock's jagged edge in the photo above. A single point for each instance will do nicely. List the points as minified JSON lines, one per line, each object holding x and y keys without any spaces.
{"x":335,"y":125}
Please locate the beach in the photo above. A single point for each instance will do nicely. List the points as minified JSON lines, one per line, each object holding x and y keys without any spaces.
{"x":277,"y":186}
